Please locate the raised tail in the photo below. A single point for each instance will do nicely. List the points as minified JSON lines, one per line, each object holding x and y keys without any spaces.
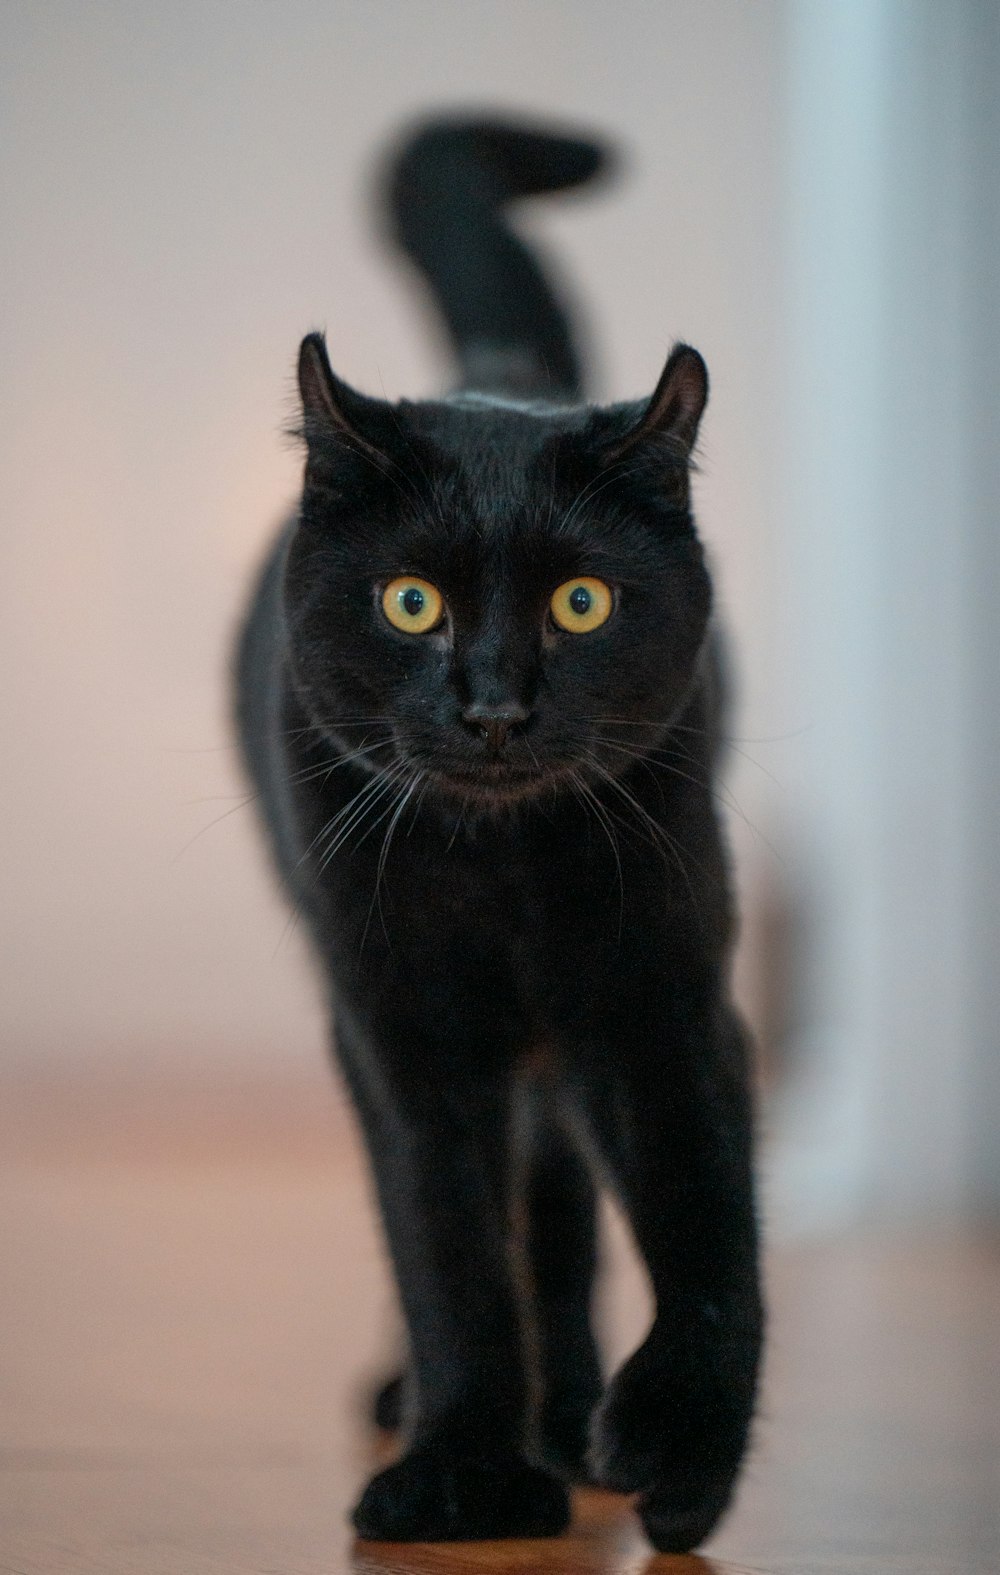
{"x":447,"y":188}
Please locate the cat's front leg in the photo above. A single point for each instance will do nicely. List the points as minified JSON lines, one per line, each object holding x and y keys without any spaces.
{"x":672,"y":1114}
{"x":440,"y":1154}
{"x":562,"y":1257}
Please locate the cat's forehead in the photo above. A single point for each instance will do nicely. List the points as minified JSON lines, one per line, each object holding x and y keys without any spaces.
{"x":496,"y":467}
{"x":487,"y":434}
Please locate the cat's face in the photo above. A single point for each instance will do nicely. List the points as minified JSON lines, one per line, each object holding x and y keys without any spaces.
{"x":499,"y":599}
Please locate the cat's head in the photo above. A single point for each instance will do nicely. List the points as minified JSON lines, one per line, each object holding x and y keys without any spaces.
{"x":502,"y":597}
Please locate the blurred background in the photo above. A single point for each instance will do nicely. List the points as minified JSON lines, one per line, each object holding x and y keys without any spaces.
{"x":809,"y":195}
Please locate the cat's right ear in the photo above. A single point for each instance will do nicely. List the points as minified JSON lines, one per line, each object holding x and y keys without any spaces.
{"x":331,"y":409}
{"x":675,"y":409}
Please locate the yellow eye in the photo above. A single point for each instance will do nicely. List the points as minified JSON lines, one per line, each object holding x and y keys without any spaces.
{"x":412,"y":605}
{"x":581,"y":605}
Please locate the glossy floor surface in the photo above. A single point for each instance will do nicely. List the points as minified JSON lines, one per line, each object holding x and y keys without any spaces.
{"x":193,"y":1297}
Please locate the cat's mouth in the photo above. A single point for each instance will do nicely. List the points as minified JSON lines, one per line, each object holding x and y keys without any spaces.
{"x":496,"y":780}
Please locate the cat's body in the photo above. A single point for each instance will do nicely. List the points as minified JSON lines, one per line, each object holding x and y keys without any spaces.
{"x":501,"y":830}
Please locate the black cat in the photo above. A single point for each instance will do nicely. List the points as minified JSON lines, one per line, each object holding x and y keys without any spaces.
{"x":478,"y":695}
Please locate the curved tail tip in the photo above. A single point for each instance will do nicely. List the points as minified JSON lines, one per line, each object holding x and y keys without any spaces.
{"x":520,"y":158}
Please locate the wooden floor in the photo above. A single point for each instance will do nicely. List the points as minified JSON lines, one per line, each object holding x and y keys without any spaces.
{"x":193,"y":1294}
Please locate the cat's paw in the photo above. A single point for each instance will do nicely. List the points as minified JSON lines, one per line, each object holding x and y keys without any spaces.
{"x":440,"y":1493}
{"x":678,"y":1518}
{"x":675,"y":1443}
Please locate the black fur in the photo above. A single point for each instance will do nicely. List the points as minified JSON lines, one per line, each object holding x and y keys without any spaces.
{"x":504,"y":840}
{"x":445,"y":187}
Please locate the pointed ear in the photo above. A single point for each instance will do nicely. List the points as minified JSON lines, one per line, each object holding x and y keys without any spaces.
{"x":676,"y":406}
{"x":332,"y":409}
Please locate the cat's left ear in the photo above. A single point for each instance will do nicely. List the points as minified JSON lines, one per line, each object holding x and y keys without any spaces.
{"x":331,"y":409}
{"x":676,"y":407}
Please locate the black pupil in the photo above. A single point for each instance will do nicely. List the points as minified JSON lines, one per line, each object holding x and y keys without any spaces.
{"x":580,"y":599}
{"x":413,"y":601}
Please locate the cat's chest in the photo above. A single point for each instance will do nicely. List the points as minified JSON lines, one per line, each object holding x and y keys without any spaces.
{"x":478,"y":895}
{"x":524,"y":920}
{"x":485,"y":944}
{"x":521,"y":913}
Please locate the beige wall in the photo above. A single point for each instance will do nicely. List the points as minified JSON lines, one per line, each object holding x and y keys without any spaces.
{"x":184,"y":195}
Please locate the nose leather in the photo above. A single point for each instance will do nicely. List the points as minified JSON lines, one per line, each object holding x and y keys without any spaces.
{"x":495,"y":722}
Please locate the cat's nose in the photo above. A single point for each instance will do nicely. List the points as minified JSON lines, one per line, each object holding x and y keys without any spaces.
{"x":495,"y":722}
